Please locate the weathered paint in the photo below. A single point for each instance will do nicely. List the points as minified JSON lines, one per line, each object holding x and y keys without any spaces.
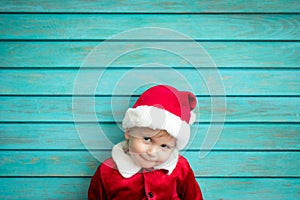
{"x":255,"y":45}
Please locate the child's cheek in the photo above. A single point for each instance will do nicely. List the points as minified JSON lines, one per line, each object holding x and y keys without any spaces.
{"x":164,"y":156}
{"x":138,"y":147}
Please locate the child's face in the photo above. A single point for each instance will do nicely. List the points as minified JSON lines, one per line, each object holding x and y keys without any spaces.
{"x":148,"y":147}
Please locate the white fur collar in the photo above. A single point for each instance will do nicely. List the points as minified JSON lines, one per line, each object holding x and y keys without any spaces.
{"x":127,"y":166}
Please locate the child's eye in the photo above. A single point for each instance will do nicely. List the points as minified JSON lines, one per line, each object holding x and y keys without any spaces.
{"x":147,"y":139}
{"x":164,"y":146}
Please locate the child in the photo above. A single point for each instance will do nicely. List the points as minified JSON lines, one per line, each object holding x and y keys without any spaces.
{"x":147,"y":164}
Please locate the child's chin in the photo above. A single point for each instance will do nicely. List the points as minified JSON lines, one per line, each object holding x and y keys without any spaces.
{"x":147,"y":165}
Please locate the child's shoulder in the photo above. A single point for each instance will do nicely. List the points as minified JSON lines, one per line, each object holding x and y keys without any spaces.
{"x":182,"y":160}
{"x":182,"y":166}
{"x":107,"y":165}
{"x":182,"y":169}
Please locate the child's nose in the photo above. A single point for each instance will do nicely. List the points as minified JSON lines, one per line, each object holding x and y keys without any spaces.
{"x":152,"y":150}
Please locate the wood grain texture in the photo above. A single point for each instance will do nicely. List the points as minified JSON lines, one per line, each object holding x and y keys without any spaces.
{"x":257,"y":188}
{"x":213,"y":188}
{"x":65,"y":136}
{"x":129,"y":81}
{"x":81,"y":163}
{"x":60,"y":109}
{"x":44,"y":188}
{"x":198,"y":27}
{"x":146,"y":6}
{"x":224,"y":54}
{"x":43,"y":44}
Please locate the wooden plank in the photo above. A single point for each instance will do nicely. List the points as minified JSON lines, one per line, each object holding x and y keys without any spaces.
{"x":219,"y":164}
{"x":59,"y":109}
{"x":215,"y":188}
{"x":65,"y":136}
{"x":126,"y":81}
{"x":224,"y":54}
{"x":44,"y":188}
{"x":212,"y":188}
{"x":244,"y":188}
{"x":200,"y":27}
{"x":165,"y":6}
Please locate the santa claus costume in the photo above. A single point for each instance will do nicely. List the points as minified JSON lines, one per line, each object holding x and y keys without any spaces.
{"x":161,"y":107}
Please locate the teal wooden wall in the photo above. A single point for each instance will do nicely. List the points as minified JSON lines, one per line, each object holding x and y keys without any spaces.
{"x":255,"y":45}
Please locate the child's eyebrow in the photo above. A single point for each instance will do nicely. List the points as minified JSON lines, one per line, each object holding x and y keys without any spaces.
{"x":169,"y":143}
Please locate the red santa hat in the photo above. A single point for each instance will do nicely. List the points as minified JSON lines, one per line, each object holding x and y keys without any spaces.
{"x":166,"y":108}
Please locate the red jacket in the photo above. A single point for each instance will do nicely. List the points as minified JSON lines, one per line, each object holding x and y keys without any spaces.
{"x":107,"y":183}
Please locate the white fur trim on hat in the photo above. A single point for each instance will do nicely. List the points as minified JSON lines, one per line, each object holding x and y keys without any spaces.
{"x":157,"y":118}
{"x":193,"y":118}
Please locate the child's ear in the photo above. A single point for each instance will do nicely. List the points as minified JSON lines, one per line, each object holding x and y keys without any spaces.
{"x":127,"y":134}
